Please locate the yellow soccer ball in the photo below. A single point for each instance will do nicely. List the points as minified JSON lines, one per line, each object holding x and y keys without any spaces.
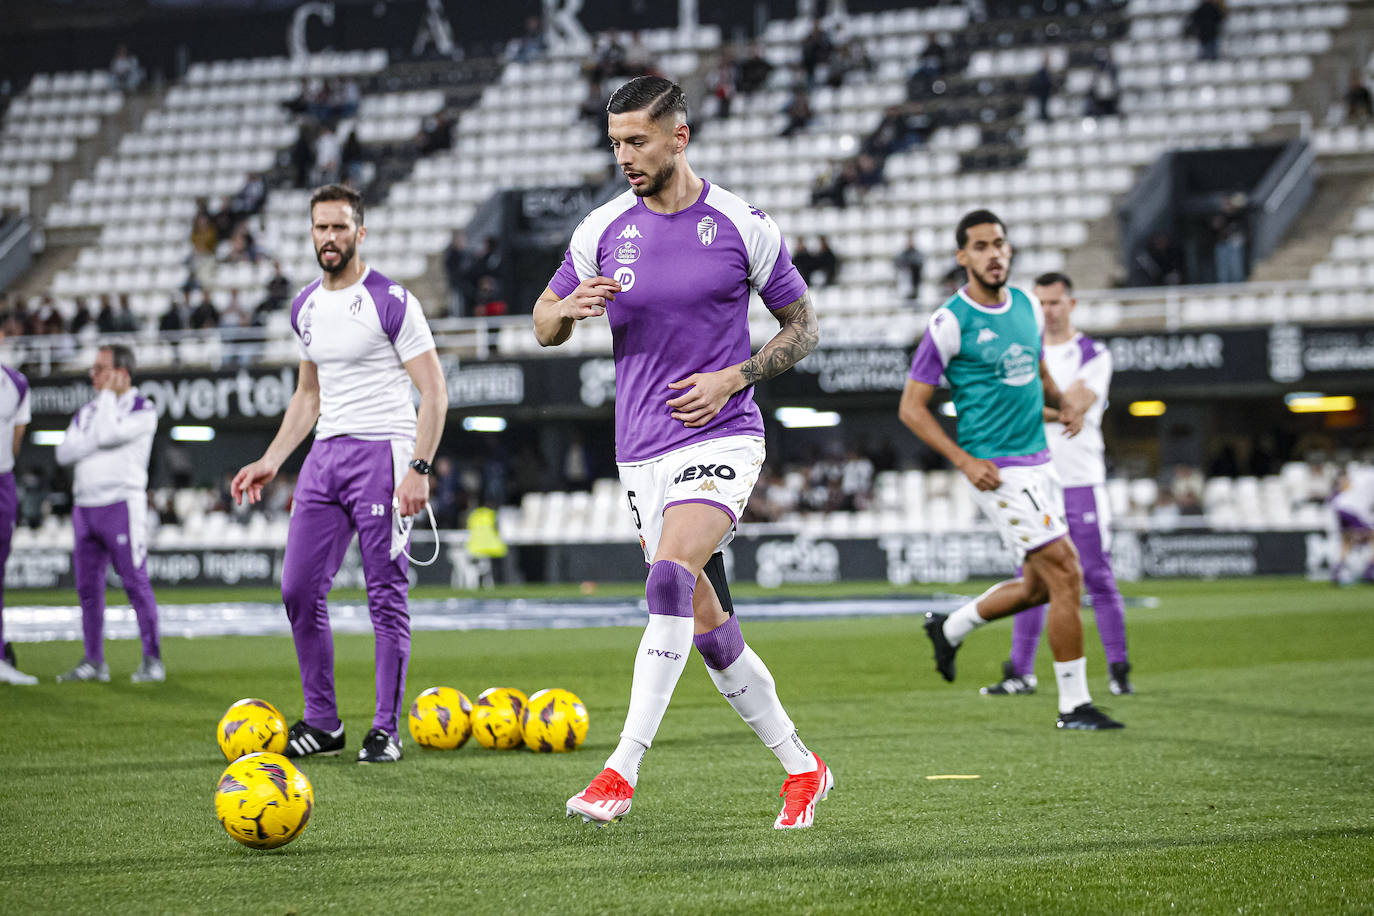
{"x":496,"y":718}
{"x":263,"y":801}
{"x":440,"y":718}
{"x":251,"y":725}
{"x":554,"y":721}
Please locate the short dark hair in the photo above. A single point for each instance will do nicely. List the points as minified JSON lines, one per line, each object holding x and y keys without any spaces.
{"x":121,"y":356}
{"x":660,"y":97}
{"x":338,"y":192}
{"x":1054,"y":277}
{"x":971,"y":219}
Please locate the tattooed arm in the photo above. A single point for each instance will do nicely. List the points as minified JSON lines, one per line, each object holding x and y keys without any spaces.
{"x":707,"y":392}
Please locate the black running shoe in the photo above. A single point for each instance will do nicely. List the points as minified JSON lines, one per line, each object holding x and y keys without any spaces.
{"x":1119,"y":674}
{"x":9,"y":655}
{"x":944,"y":652}
{"x":380,"y":747}
{"x":1087,"y":718}
{"x":1010,"y":684}
{"x":304,"y":741}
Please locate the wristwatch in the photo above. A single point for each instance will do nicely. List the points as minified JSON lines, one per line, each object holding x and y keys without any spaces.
{"x":421,"y":466}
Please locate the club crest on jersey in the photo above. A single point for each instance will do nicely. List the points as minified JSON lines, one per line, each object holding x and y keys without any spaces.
{"x":706,"y":230}
{"x":307,"y":315}
{"x":627,"y":253}
{"x":356,"y":305}
{"x":630,"y":232}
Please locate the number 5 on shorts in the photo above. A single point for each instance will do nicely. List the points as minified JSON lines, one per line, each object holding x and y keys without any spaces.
{"x":630,"y":494}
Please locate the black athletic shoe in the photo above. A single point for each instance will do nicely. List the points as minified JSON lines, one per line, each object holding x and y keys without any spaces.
{"x":9,"y":655}
{"x":944,"y":652}
{"x":1010,"y":684}
{"x":304,"y":741}
{"x":1087,"y":718}
{"x":1119,"y":674}
{"x":380,"y":747}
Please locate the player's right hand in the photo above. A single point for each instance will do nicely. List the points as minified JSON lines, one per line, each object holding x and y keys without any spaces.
{"x":589,"y":299}
{"x":250,"y":480}
{"x":982,"y":473}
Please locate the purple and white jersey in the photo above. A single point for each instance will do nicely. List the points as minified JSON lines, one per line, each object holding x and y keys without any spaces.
{"x":1081,"y":460}
{"x":1357,"y":498}
{"x":360,"y":338}
{"x":109,"y":440}
{"x":683,"y":307}
{"x":14,"y":411}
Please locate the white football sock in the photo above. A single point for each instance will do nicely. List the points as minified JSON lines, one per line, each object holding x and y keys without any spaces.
{"x":749,"y":687}
{"x":1072,"y":678}
{"x":963,"y":622}
{"x":662,"y":656}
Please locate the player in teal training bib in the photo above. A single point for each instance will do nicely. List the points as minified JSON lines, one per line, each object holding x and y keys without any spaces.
{"x":985,"y":342}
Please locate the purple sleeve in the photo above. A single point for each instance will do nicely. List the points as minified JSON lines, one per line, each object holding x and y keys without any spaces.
{"x":391,"y":310}
{"x":785,"y":285}
{"x":565,"y":280}
{"x":21,"y":384}
{"x":926,"y":365}
{"x":1088,"y":350}
{"x":299,"y":302}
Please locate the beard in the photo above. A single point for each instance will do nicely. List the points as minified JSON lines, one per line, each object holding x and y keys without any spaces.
{"x":988,"y":284}
{"x":657,"y":181}
{"x":345,"y":255}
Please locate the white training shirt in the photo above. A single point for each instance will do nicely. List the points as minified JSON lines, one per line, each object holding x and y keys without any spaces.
{"x":1081,"y":460}
{"x":109,"y":440}
{"x":360,"y":338}
{"x":14,"y":411}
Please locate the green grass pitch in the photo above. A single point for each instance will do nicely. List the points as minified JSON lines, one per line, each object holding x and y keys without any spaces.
{"x":1243,"y":782}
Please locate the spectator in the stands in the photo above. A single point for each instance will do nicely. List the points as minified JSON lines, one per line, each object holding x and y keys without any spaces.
{"x":436,"y":133}
{"x":592,"y":109}
{"x":930,"y":63}
{"x":1104,"y":95}
{"x":798,"y":111}
{"x":868,"y":171}
{"x":81,"y":318}
{"x":278,"y":292}
{"x":1204,"y":24}
{"x":344,"y":98}
{"x":489,"y":261}
{"x":204,"y":316}
{"x":448,"y":498}
{"x":178,"y":314}
{"x":124,"y":320}
{"x":638,"y":60}
{"x":816,"y":50}
{"x":351,"y":159}
{"x":303,"y":155}
{"x":722,"y":84}
{"x":856,"y":481}
{"x":125,"y":70}
{"x":850,"y":56}
{"x":1161,"y":261}
{"x":235,"y":315}
{"x":827,"y":262}
{"x":242,"y":247}
{"x":607,"y":60}
{"x":489,"y":300}
{"x":1042,"y":87}
{"x":105,"y":318}
{"x":530,"y":46}
{"x":458,"y":270}
{"x":1229,"y":227}
{"x":1359,"y":104}
{"x":250,"y":197}
{"x":911,"y":263}
{"x":328,"y":156}
{"x":804,"y":260}
{"x":754,"y":71}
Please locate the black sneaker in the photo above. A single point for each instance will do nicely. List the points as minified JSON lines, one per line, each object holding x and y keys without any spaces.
{"x":944,"y":652}
{"x":1011,"y":683}
{"x":1119,"y":674}
{"x":380,"y":746}
{"x":9,"y":655}
{"x":1087,"y":718}
{"x":305,"y":741}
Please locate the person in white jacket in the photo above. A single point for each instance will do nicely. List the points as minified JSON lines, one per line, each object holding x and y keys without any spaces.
{"x":109,"y":441}
{"x":14,"y":419}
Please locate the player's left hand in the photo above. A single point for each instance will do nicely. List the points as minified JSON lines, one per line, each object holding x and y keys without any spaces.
{"x":706,"y":394}
{"x":412,"y":494}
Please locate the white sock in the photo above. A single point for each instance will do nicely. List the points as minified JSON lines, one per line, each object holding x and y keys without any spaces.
{"x":963,"y":622}
{"x":658,"y":665}
{"x":1072,"y":678}
{"x":748,"y":686}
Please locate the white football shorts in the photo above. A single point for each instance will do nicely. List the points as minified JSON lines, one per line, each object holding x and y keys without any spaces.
{"x":1027,"y":509}
{"x":721,"y":472}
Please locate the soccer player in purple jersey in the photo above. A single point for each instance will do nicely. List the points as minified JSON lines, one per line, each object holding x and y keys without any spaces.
{"x":363,"y":341}
{"x":109,"y":441}
{"x":671,"y":263}
{"x":1082,"y":369}
{"x":14,"y":419}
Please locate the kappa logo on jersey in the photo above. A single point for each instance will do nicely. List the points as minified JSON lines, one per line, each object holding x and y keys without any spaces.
{"x":627,"y":253}
{"x":706,"y":230}
{"x":626,"y":278}
{"x":702,"y":471}
{"x":986,"y":334}
{"x":630,"y":232}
